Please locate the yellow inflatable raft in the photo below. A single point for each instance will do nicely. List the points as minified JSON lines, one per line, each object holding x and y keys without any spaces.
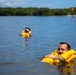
{"x":68,"y":56}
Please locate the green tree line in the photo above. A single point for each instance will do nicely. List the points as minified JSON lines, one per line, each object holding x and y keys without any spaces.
{"x":35,"y":11}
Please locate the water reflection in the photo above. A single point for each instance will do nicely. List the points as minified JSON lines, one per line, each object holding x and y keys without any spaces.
{"x":68,"y":69}
{"x":7,"y":63}
{"x":26,"y":43}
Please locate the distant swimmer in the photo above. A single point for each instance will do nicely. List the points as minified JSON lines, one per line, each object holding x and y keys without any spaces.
{"x":27,"y":33}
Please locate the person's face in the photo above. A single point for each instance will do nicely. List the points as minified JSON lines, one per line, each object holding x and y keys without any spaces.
{"x":62,"y":48}
{"x":27,"y":30}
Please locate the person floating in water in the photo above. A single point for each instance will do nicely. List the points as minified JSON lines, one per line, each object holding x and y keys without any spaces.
{"x":26,"y":33}
{"x":63,"y":47}
{"x":62,"y":55}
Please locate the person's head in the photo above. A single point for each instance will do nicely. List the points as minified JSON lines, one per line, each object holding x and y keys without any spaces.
{"x":63,"y":47}
{"x":27,"y":29}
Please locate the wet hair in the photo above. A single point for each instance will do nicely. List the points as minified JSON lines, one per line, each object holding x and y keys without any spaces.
{"x":68,"y":46}
{"x":28,"y":28}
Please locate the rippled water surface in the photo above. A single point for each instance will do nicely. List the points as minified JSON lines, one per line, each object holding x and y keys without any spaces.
{"x":19,"y":56}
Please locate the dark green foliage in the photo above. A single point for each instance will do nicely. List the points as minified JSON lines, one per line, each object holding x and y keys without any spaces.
{"x":35,"y":11}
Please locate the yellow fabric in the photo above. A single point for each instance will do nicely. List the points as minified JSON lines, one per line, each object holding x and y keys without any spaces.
{"x":69,"y":55}
{"x":50,"y":61}
{"x":25,"y":35}
{"x":55,"y":52}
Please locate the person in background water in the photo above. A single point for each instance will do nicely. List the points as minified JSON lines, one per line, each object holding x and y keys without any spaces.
{"x":29,"y":31}
{"x":63,"y":47}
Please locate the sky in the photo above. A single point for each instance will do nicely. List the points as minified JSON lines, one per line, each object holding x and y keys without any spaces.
{"x":38,"y":3}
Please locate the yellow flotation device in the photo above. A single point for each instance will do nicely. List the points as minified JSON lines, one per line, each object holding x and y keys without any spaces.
{"x":68,"y":56}
{"x":24,"y":35}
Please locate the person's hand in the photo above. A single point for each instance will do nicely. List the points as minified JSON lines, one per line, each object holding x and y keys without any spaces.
{"x":19,"y":34}
{"x":50,"y":56}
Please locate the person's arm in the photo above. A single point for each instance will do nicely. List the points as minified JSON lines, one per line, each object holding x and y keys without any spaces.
{"x":59,"y":57}
{"x":21,"y":33}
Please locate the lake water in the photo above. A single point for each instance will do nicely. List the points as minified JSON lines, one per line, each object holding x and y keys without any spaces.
{"x":19,"y":56}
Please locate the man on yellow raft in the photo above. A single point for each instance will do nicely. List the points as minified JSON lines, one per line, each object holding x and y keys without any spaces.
{"x":26,"y":33}
{"x":63,"y":54}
